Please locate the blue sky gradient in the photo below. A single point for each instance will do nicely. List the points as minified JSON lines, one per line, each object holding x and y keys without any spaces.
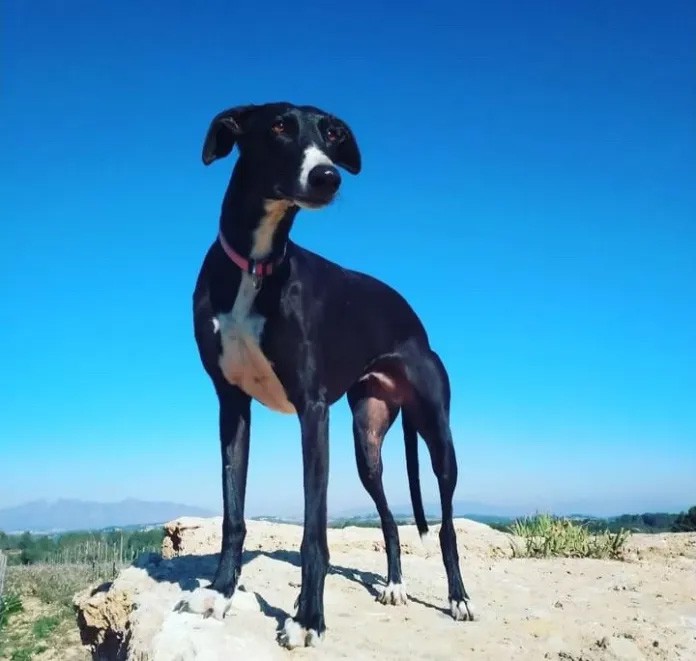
{"x":529,"y":185}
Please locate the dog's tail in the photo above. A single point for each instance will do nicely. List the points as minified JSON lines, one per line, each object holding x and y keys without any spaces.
{"x":411,"y":443}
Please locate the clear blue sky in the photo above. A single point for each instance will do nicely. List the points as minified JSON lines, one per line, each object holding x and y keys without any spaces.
{"x":529,"y":185}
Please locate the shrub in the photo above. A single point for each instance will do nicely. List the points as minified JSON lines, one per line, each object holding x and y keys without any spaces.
{"x":547,"y":536}
{"x":10,"y":604}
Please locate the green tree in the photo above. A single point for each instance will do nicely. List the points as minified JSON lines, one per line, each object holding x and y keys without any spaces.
{"x":686,"y":521}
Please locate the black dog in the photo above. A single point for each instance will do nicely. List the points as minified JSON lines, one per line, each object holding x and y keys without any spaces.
{"x":279,"y":324}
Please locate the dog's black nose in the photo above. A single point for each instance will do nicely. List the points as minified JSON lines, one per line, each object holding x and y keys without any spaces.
{"x":324,"y":179}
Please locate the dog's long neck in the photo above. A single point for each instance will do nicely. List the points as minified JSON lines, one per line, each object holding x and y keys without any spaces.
{"x":255,"y":226}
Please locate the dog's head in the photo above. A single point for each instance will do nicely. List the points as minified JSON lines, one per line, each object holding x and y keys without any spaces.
{"x":290,"y":151}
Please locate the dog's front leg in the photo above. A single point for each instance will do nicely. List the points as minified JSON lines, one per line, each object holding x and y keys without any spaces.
{"x":308,"y":624}
{"x":235,"y":417}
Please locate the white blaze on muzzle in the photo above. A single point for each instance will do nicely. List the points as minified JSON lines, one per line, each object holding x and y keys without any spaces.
{"x":313,"y":156}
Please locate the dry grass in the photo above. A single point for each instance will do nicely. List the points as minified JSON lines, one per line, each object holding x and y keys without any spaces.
{"x":41,"y":631}
{"x":547,"y":536}
{"x":44,"y":626}
{"x":55,"y":584}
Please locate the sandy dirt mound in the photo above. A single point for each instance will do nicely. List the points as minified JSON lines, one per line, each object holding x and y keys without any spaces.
{"x":644,"y":608}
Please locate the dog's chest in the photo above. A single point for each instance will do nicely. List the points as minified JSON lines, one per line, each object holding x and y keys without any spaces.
{"x":242,"y":362}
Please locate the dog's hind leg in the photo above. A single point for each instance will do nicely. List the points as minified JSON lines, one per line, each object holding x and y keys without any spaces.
{"x":372,"y":418}
{"x":430,"y":411}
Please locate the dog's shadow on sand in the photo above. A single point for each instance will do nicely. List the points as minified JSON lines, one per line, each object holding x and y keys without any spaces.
{"x":366,"y":579}
{"x":187,"y":570}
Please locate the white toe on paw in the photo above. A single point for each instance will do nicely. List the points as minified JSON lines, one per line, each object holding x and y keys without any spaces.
{"x":206,"y":602}
{"x":394,"y":594}
{"x":313,"y":638}
{"x":461,"y":610}
{"x":295,"y":635}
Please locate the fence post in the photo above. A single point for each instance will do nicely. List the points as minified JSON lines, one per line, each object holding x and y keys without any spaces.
{"x":3,"y":569}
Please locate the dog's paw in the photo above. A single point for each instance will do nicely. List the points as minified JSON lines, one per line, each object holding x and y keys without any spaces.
{"x":294,"y":634}
{"x":461,"y":610}
{"x":394,"y":594}
{"x":205,"y":602}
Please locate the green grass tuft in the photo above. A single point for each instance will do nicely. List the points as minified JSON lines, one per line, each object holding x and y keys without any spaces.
{"x":548,"y":536}
{"x":45,"y":626}
{"x":23,"y":654}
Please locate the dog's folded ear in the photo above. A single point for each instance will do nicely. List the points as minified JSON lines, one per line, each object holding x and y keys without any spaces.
{"x":347,"y":154}
{"x":223,"y":132}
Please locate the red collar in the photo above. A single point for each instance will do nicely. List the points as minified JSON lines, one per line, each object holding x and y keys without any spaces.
{"x":254,"y":266}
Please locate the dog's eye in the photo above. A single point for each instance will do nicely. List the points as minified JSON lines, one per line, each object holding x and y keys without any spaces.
{"x":278,"y":127}
{"x":332,"y":134}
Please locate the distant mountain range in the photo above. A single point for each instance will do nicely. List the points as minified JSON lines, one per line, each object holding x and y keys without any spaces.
{"x":475,"y":511}
{"x":43,"y":516}
{"x":62,"y":515}
{"x":486,"y":512}
{"x":462,"y":508}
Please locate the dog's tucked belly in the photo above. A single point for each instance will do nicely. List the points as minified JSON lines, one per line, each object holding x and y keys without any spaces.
{"x":242,"y":362}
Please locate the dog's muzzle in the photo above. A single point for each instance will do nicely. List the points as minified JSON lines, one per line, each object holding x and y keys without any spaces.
{"x":323,"y":181}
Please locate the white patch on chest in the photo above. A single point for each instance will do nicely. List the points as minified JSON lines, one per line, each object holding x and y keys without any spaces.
{"x":242,"y":362}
